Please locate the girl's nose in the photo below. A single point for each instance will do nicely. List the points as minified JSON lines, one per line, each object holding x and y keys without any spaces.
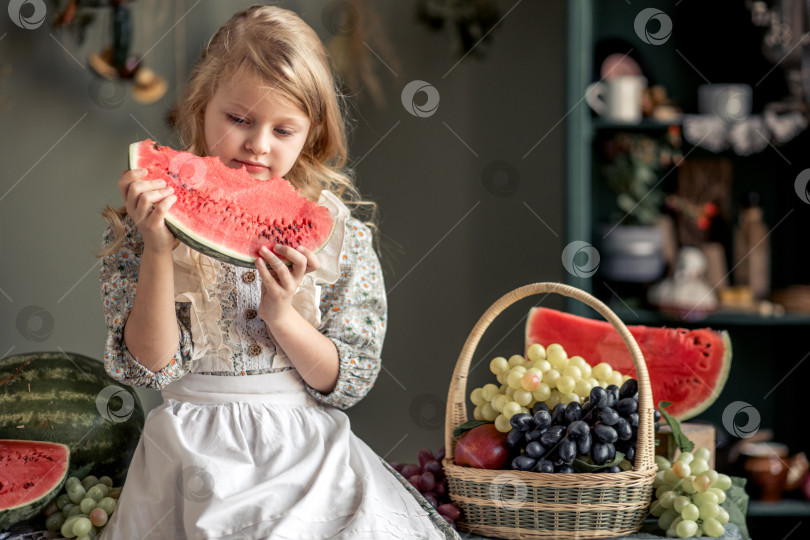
{"x":259,"y":141}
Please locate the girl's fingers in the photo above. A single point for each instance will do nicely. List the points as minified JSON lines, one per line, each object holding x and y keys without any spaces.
{"x":313,"y":263}
{"x":127,"y":178}
{"x":148,"y":202}
{"x":134,"y":189}
{"x":160,"y":209}
{"x":267,"y":278}
{"x":282,"y":273}
{"x":298,"y":260}
{"x":135,"y":182}
{"x":138,"y":189}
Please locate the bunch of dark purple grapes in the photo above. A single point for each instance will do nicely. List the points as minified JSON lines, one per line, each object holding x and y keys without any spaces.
{"x":548,"y":441}
{"x":428,"y":477}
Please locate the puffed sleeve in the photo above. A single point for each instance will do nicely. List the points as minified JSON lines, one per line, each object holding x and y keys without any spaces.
{"x":353,"y":313}
{"x":119,"y":279}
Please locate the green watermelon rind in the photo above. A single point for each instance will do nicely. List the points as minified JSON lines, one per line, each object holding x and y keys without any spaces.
{"x":198,"y":242}
{"x":96,"y":444}
{"x":23,"y":512}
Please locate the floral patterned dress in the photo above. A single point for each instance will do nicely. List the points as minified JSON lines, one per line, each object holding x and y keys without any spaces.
{"x":241,"y":446}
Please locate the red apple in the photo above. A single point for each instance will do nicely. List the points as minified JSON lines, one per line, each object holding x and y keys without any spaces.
{"x":483,"y":447}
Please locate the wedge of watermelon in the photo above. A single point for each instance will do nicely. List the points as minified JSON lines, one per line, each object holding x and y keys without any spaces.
{"x":687,"y":367}
{"x":31,"y":475}
{"x":226,"y":213}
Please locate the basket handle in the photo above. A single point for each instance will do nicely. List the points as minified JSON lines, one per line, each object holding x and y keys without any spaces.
{"x":456,"y":413}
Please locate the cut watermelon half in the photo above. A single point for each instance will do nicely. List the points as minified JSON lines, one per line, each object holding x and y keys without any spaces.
{"x":226,"y":213}
{"x":687,"y":367}
{"x":31,"y":475}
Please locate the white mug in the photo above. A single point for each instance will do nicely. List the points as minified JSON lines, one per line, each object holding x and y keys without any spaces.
{"x":617,"y":99}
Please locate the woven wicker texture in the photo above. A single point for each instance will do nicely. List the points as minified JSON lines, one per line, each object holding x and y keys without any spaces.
{"x":517,"y":504}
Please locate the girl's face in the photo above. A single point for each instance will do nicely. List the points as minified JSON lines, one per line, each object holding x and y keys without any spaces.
{"x":248,"y":125}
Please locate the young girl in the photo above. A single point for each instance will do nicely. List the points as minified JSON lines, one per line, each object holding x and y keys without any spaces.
{"x":252,"y":363}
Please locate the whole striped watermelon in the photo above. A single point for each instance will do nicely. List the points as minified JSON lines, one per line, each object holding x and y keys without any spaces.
{"x":69,"y":399}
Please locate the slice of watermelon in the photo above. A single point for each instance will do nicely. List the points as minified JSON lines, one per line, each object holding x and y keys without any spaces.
{"x":687,"y":367}
{"x":226,"y":213}
{"x":31,"y":475}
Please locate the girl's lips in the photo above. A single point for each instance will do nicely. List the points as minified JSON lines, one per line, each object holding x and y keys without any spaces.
{"x":253,"y":167}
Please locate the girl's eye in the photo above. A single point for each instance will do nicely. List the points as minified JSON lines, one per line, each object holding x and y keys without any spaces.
{"x":284,"y":132}
{"x":236,"y":119}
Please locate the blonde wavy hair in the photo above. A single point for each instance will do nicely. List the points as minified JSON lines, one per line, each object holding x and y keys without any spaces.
{"x":282,"y":50}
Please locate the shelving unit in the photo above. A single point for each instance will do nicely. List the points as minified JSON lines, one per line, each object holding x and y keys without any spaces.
{"x":783,"y":508}
{"x":770,"y":352}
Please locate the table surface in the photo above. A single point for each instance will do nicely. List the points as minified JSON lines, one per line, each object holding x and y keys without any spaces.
{"x":732,"y":533}
{"x":646,"y":533}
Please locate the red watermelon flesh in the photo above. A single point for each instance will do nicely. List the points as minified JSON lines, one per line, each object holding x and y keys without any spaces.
{"x":31,"y":475}
{"x":226,"y":213}
{"x":687,"y":367}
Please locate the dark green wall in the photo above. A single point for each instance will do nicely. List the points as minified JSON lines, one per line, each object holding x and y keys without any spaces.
{"x":455,"y":234}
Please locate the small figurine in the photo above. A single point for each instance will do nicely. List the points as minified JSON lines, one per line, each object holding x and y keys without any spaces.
{"x":686,"y":294}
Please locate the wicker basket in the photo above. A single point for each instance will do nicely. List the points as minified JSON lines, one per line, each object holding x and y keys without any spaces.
{"x":519,"y":504}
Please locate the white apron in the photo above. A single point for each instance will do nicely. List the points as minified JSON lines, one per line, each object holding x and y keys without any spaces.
{"x":250,"y":457}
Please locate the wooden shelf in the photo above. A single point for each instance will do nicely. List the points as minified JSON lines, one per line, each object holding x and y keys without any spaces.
{"x":717,"y":319}
{"x":645,"y":125}
{"x":783,"y":508}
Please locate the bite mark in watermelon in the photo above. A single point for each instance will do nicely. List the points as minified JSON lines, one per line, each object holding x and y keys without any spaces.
{"x":226,"y":213}
{"x":687,"y":367}
{"x":31,"y":475}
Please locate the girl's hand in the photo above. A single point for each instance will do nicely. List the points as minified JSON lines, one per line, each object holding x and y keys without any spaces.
{"x":147,"y":202}
{"x":279,"y":282}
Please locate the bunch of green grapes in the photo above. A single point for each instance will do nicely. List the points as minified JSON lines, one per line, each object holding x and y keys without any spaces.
{"x":84,"y":508}
{"x":545,"y":375}
{"x":688,"y":496}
